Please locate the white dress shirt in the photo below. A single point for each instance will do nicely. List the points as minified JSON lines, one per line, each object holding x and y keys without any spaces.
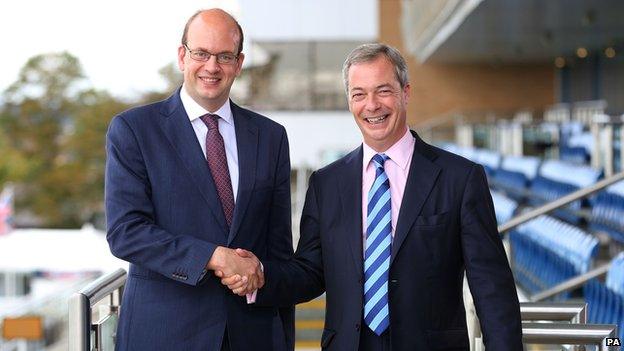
{"x":226,"y":128}
{"x":228,"y":132}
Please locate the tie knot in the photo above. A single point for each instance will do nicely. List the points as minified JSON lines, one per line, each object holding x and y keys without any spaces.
{"x":379,"y":160}
{"x":210,"y":120}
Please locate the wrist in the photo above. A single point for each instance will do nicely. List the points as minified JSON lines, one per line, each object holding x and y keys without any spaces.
{"x":216,"y":261}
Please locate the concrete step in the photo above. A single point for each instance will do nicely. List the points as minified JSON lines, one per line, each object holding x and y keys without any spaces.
{"x":309,"y":322}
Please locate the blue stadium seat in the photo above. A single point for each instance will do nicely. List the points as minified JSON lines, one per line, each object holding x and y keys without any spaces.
{"x":516,"y":174}
{"x":556,"y":179}
{"x":606,"y":300}
{"x":576,"y":148}
{"x":608,"y":211}
{"x":490,"y":160}
{"x":547,"y":251}
{"x":504,"y":207}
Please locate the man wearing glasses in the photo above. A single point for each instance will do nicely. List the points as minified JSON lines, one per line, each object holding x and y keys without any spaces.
{"x":188,"y":180}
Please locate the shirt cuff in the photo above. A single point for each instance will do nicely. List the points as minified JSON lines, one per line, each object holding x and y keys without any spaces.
{"x":251,"y":297}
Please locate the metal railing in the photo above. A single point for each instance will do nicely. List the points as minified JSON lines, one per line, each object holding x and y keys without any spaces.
{"x":569,"y":334}
{"x":572,"y":312}
{"x":83,"y":333}
{"x":572,"y":283}
{"x":569,"y":327}
{"x":554,"y":205}
{"x":575,"y":331}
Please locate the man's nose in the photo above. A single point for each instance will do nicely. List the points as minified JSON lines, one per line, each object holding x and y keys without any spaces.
{"x":212,"y":65}
{"x":372,"y":102}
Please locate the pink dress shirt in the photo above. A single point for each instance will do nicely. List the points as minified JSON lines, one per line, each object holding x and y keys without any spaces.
{"x":397,"y":169}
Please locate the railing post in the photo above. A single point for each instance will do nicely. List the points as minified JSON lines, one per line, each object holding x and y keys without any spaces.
{"x":79,"y":322}
{"x":109,"y":286}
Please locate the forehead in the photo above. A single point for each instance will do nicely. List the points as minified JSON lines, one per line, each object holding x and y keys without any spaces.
{"x":213,"y":31}
{"x":379,"y":71}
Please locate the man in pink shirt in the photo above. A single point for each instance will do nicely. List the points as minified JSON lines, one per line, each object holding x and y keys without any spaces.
{"x":389,"y":230}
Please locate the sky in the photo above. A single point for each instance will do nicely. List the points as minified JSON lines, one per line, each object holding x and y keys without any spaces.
{"x":122,"y":44}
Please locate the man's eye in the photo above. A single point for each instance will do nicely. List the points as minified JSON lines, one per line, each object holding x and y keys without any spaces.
{"x":225,"y":57}
{"x":385,"y":92}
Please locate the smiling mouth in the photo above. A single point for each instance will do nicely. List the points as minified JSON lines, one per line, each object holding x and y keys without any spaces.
{"x":376,"y":120}
{"x":209,"y":80}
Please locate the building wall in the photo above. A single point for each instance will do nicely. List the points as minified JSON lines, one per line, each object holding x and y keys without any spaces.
{"x":443,"y":89}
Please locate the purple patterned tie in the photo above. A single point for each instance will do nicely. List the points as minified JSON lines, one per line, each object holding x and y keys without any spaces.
{"x":215,"y":154}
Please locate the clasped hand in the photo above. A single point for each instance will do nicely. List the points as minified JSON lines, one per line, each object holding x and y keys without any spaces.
{"x":239,"y":270}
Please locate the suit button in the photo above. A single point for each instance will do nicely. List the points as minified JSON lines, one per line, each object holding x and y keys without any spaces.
{"x":357,"y":326}
{"x":394,"y":281}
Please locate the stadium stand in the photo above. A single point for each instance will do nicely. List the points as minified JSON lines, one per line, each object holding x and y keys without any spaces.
{"x":547,"y":251}
{"x":606,"y":300}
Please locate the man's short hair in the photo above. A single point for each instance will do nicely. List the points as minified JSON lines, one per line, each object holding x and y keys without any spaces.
{"x":370,"y":52}
{"x":188,"y":23}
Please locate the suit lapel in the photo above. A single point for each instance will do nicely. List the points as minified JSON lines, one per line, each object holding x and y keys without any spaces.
{"x":420,"y":180}
{"x":176,"y":126}
{"x":351,"y":200}
{"x":247,"y":144}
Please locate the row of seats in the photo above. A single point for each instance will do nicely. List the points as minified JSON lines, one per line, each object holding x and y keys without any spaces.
{"x":606,"y":300}
{"x":607,"y":209}
{"x":504,"y":207}
{"x":532,"y":181}
{"x":547,"y":251}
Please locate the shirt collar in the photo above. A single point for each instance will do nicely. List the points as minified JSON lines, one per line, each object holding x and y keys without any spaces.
{"x":195,"y":111}
{"x":399,"y":153}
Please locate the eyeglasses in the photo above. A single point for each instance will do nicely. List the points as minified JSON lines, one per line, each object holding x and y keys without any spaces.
{"x":224,"y":58}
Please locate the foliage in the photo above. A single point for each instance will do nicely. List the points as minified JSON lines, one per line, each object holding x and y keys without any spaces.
{"x":52,"y":135}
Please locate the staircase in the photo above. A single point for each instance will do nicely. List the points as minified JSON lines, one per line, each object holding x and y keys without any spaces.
{"x":309,"y":321}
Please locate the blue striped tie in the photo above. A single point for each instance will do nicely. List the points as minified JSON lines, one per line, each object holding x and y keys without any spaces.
{"x":378,"y":249}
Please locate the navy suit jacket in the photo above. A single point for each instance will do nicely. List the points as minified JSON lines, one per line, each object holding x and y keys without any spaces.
{"x":165,"y":218}
{"x":446,"y":227}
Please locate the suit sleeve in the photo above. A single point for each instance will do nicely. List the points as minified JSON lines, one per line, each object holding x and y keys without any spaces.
{"x":489,"y":276}
{"x":300,"y":278}
{"x":280,"y":247}
{"x":132,"y":232}
{"x":280,"y":223}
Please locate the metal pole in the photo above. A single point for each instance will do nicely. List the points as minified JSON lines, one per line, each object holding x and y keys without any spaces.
{"x":79,"y":322}
{"x":572,"y":312}
{"x":581,"y":193}
{"x":571,"y":283}
{"x":570,"y":334}
{"x":80,"y":307}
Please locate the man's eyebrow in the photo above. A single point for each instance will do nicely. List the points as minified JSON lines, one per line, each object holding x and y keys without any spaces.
{"x":385,"y":85}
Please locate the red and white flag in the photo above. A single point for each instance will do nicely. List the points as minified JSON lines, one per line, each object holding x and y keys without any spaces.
{"x":6,"y":210}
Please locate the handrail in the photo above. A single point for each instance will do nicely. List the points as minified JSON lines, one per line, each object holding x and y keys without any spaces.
{"x":573,"y":312}
{"x":104,"y":285}
{"x":572,"y":283}
{"x":569,"y":334}
{"x":80,"y":307}
{"x":581,"y":193}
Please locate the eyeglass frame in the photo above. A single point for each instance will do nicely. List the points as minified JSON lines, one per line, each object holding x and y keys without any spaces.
{"x":191,"y":51}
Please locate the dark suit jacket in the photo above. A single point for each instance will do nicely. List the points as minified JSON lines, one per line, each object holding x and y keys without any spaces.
{"x":446,"y":226}
{"x":165,"y":218}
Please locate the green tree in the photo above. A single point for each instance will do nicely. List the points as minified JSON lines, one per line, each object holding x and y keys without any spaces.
{"x":53,"y":128}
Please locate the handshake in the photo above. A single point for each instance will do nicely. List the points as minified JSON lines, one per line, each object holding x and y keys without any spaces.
{"x":240,"y":270}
